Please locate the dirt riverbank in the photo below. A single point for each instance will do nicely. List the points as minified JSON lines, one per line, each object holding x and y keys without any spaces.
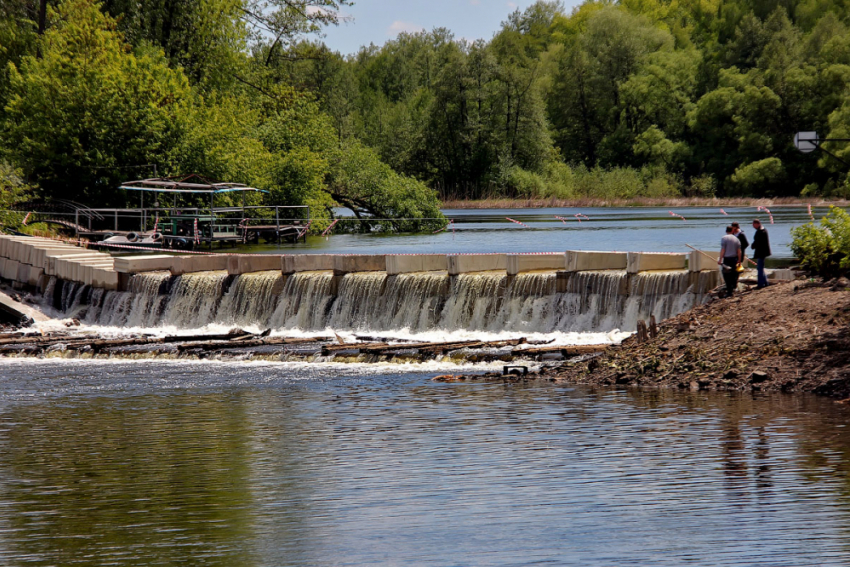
{"x":500,"y":203}
{"x":792,"y":337}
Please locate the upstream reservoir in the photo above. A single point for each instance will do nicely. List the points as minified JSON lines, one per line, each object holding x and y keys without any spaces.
{"x":629,"y":229}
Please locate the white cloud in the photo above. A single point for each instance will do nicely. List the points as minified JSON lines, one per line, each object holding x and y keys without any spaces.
{"x":512,"y":5}
{"x":398,"y":27}
{"x":475,"y":2}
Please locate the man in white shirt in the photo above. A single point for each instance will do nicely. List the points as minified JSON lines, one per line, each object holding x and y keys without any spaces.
{"x":730,"y":257}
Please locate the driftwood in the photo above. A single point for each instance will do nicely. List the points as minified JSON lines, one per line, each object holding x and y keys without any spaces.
{"x":430,"y":348}
{"x":241,"y":342}
{"x":245,"y":343}
{"x":567,"y":351}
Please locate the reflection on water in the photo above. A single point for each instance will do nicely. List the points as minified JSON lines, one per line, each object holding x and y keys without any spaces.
{"x":228,"y":464}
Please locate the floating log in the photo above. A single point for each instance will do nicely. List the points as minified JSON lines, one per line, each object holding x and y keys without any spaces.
{"x":243,"y":343}
{"x":567,"y":351}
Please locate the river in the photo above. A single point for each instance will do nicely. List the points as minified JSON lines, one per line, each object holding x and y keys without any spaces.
{"x":629,"y":229}
{"x":249,"y":464}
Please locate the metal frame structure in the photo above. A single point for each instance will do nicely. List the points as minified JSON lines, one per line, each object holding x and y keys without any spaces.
{"x":194,"y":185}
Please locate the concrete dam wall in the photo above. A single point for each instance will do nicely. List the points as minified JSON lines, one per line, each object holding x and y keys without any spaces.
{"x":573,"y":291}
{"x":539,"y":302}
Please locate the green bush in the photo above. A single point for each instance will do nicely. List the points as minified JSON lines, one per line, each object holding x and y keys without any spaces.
{"x":824,"y":250}
{"x":12,"y":191}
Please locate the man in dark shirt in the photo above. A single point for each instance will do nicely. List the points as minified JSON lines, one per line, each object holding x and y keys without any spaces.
{"x":761,"y":250}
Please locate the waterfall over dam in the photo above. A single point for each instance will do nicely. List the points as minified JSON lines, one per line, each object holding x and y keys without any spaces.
{"x":532,"y":302}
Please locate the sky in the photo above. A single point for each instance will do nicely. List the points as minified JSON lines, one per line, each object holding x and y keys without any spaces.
{"x":377,"y":21}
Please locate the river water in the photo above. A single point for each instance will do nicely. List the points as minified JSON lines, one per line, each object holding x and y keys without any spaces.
{"x":629,"y":229}
{"x":248,"y":464}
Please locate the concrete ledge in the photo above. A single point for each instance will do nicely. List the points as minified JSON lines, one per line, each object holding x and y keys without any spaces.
{"x":698,"y":262}
{"x":359,"y":263}
{"x":405,"y":264}
{"x":466,"y":263}
{"x":189,"y":264}
{"x":645,"y":262}
{"x":517,"y":263}
{"x":580,"y":261}
{"x":246,"y":264}
{"x":137,"y":264}
{"x":292,"y":263}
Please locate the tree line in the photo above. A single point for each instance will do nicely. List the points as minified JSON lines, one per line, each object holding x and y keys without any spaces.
{"x":628,"y":99}
{"x":93,"y":94}
{"x":613,"y":99}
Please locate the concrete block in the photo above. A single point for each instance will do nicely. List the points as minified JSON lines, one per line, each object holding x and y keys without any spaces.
{"x":517,"y":263}
{"x":23,"y":275}
{"x":408,"y":263}
{"x":181,"y":265}
{"x":83,"y":271}
{"x":52,"y":258}
{"x":359,"y":263}
{"x":39,"y":252}
{"x":73,"y":268}
{"x":138,"y":264}
{"x":208,"y":263}
{"x":105,"y":279}
{"x":246,"y":264}
{"x":651,"y":261}
{"x":581,"y":261}
{"x":73,"y":252}
{"x":35,"y":275}
{"x":466,"y":263}
{"x":15,"y":249}
{"x":9,"y":246}
{"x":292,"y":263}
{"x":10,"y":269}
{"x":699,"y":262}
{"x":190,"y":264}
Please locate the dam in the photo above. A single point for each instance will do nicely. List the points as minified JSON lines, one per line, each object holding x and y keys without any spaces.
{"x":576,"y":291}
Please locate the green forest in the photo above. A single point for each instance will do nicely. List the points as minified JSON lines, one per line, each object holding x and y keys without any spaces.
{"x":638,"y":98}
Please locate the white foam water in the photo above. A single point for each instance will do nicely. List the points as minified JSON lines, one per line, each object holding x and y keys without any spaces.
{"x":423,"y":306}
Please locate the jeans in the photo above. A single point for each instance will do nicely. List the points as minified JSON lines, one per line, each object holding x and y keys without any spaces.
{"x":762,"y":277}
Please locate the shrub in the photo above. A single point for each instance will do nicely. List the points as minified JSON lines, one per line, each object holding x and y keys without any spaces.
{"x":824,"y":250}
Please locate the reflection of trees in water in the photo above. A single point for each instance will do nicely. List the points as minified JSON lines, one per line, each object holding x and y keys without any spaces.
{"x":754,"y":427}
{"x":256,"y":477}
{"x":746,"y":424}
{"x":148,"y":481}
